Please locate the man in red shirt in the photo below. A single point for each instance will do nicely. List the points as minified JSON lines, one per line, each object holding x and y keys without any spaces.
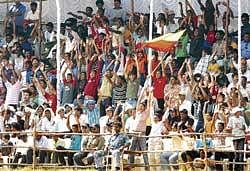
{"x":159,"y":82}
{"x":90,"y":90}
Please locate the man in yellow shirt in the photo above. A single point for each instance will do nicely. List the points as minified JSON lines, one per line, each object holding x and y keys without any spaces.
{"x":105,"y":92}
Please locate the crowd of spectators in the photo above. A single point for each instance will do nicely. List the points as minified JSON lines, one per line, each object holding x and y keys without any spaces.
{"x":106,"y":88}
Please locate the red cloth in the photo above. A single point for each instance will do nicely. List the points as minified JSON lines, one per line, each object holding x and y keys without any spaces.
{"x":52,"y":99}
{"x":159,"y":85}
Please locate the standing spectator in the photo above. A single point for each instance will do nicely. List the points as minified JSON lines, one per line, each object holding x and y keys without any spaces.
{"x":49,"y":34}
{"x":69,"y":85}
{"x":105,"y":91}
{"x":117,"y":11}
{"x":15,"y":17}
{"x":90,"y":90}
{"x":47,"y":122}
{"x":159,"y":82}
{"x":139,"y":127}
{"x":245,"y":46}
{"x":13,"y":85}
{"x":245,"y":28}
{"x":209,"y":11}
{"x":60,"y":121}
{"x":92,"y":112}
{"x":237,"y":126}
{"x":133,"y":84}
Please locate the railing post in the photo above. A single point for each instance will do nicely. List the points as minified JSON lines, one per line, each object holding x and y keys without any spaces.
{"x":248,"y":164}
{"x":225,"y":164}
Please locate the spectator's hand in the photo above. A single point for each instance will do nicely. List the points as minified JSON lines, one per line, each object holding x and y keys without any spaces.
{"x":69,"y":13}
{"x":42,"y":67}
{"x":180,"y":3}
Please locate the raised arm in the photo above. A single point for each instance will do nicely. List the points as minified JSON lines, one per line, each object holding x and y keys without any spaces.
{"x":181,"y":10}
{"x":51,"y":88}
{"x":191,"y":8}
{"x":217,"y":8}
{"x":201,"y":5}
{"x":181,"y":71}
{"x":37,"y":84}
{"x":137,"y":66}
{"x":75,"y":16}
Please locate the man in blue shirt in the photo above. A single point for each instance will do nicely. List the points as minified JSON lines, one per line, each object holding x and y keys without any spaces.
{"x":16,"y":13}
{"x":245,"y":46}
{"x":116,"y":144}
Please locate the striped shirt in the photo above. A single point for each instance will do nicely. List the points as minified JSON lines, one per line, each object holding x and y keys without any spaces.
{"x":119,"y":94}
{"x":19,"y":9}
{"x":13,"y":91}
{"x":93,"y":116}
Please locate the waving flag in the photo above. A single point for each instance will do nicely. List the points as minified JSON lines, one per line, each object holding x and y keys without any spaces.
{"x":164,"y":43}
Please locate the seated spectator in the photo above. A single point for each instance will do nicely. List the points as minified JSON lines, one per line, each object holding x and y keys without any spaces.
{"x":117,"y":143}
{"x":21,"y":153}
{"x":42,"y":144}
{"x":75,"y":145}
{"x":91,"y":144}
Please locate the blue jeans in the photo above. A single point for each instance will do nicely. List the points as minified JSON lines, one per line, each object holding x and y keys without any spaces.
{"x":98,"y":157}
{"x":138,"y":143}
{"x":132,"y":102}
{"x":199,"y":126}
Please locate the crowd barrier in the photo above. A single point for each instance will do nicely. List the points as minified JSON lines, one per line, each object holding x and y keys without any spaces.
{"x":189,"y":139}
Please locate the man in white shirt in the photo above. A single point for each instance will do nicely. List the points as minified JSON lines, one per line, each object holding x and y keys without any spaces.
{"x":41,"y":142}
{"x":49,"y":34}
{"x":184,"y":103}
{"x":104,"y":120}
{"x":31,"y":22}
{"x":33,"y":15}
{"x":47,"y":122}
{"x":60,"y":121}
{"x":117,"y":33}
{"x":130,"y":121}
{"x":244,"y":87}
{"x":117,"y":11}
{"x":22,"y":152}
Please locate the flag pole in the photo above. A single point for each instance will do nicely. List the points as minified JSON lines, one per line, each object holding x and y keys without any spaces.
{"x":58,"y":50}
{"x":151,"y":17}
{"x":239,"y":43}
